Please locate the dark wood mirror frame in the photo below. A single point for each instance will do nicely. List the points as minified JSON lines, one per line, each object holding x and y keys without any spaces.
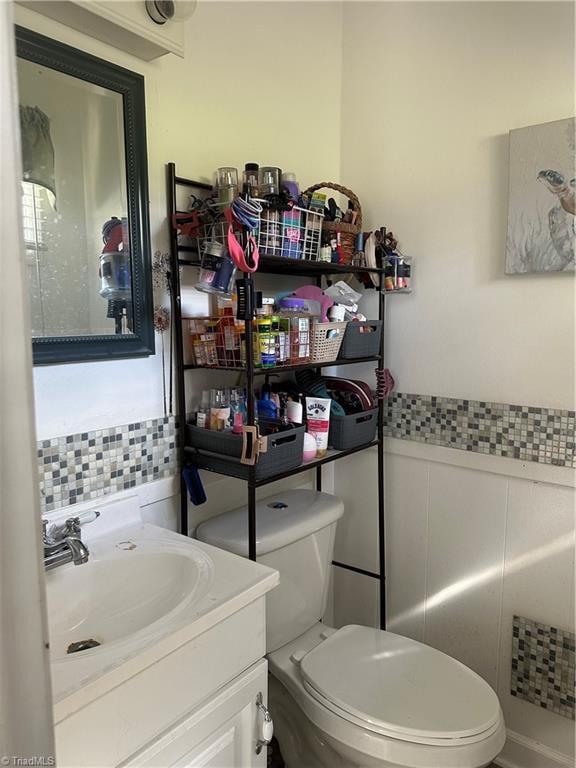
{"x":71,"y":61}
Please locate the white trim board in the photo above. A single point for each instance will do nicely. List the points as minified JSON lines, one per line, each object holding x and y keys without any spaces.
{"x":499,"y":465}
{"x":522,"y":752}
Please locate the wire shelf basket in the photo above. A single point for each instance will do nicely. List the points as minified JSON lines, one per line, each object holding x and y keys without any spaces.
{"x":220,"y":342}
{"x":292,"y":234}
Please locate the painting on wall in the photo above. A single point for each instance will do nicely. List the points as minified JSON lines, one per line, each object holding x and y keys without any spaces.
{"x":542,"y":205}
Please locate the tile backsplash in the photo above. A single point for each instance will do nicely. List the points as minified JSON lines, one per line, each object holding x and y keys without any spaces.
{"x":543,"y":670}
{"x":83,"y":466}
{"x":527,"y":433}
{"x":79,"y":467}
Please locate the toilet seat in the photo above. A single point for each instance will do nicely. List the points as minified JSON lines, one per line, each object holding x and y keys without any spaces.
{"x":360,"y":741}
{"x":399,"y":688}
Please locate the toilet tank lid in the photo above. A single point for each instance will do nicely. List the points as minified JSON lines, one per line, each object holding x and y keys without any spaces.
{"x":280,"y":520}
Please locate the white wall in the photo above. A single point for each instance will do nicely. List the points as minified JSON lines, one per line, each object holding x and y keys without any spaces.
{"x":260,"y":82}
{"x":430,"y":92}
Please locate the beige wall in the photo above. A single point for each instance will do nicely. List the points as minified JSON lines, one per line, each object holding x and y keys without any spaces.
{"x":430,"y":91}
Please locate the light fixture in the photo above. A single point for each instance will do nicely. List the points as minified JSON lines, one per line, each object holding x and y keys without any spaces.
{"x":161,"y":11}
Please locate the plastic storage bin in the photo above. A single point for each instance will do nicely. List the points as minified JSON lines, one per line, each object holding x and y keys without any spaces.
{"x":353,"y":430}
{"x":358,"y":343}
{"x":221,"y":452}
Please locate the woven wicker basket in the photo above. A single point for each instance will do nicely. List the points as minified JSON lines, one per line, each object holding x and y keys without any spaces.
{"x":347,"y":232}
{"x":322,"y":348}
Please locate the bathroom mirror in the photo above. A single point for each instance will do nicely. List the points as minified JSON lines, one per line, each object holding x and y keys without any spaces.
{"x":85,"y":203}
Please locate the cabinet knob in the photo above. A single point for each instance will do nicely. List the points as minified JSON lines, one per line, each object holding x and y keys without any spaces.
{"x":265,"y":724}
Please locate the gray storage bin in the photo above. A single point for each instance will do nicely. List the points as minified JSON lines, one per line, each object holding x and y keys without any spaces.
{"x":221,"y":452}
{"x":353,"y":430}
{"x":357,"y":344}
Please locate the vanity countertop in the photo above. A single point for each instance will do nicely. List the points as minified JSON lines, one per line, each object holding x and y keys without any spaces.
{"x":154,"y":591}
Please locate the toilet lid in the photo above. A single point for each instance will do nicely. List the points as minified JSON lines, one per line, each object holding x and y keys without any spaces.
{"x":400,"y":687}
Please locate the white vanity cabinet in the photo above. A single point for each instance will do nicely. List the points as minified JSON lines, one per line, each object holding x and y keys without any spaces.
{"x":223,"y":733}
{"x":194,"y":705}
{"x":176,"y":689}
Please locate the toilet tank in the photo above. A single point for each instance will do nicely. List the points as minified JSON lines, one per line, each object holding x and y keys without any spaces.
{"x":295,"y":534}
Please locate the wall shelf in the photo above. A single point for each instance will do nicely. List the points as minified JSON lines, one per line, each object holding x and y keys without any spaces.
{"x":319,"y":271}
{"x":276,"y":265}
{"x":282,"y":368}
{"x":306,"y":466}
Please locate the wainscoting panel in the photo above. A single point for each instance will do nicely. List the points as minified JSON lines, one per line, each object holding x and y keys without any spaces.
{"x":472,"y":541}
{"x":538,"y":583}
{"x":465,"y":561}
{"x":407,"y":490}
{"x":356,"y":598}
{"x":357,"y":532}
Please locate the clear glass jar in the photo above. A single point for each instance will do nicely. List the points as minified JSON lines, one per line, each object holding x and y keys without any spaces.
{"x":269,"y":180}
{"x":219,"y":410}
{"x":227,"y":184}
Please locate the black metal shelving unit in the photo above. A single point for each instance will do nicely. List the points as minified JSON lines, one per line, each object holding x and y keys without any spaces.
{"x":184,"y":256}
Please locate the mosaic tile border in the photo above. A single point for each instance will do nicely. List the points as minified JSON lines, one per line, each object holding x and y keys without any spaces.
{"x":83,"y":466}
{"x":544,"y":435}
{"x":76,"y":468}
{"x":543,"y":670}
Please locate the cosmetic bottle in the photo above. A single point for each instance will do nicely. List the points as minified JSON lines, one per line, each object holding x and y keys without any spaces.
{"x":250,"y":179}
{"x":298,"y":318}
{"x":291,"y":186}
{"x":227,"y":184}
{"x":203,"y":412}
{"x":294,"y":411}
{"x":269,"y":180}
{"x":237,"y":411}
{"x":219,"y":410}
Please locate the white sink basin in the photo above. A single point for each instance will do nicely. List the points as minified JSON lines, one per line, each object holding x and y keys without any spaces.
{"x":144,"y":595}
{"x":125,"y":592}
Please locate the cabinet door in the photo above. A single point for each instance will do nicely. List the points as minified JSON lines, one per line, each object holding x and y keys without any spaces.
{"x":222,"y":733}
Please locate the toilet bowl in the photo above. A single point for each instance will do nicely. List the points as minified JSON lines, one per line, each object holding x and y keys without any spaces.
{"x":321,"y":693}
{"x":354,"y":697}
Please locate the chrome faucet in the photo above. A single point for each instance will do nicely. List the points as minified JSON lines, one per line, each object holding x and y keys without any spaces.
{"x":63,"y":544}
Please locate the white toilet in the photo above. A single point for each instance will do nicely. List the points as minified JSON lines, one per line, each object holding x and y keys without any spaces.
{"x":355,"y":696}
